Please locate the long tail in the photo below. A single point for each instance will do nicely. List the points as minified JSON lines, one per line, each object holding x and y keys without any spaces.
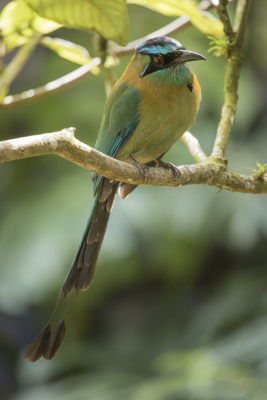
{"x":82,"y":270}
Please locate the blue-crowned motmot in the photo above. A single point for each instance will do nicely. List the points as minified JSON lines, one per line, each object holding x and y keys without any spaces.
{"x":154,"y":102}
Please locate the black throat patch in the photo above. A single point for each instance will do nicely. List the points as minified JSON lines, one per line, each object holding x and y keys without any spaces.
{"x":190,"y":87}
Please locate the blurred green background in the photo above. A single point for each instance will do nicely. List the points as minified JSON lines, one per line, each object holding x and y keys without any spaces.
{"x":178,"y":306}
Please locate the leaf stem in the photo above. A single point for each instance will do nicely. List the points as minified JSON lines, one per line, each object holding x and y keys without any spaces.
{"x":108,"y":71}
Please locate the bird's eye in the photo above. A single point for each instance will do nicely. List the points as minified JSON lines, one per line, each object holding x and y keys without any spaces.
{"x":158,"y":61}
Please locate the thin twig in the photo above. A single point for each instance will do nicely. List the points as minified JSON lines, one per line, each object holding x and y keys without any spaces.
{"x":194,"y":147}
{"x":108,"y":71}
{"x":65,"y":145}
{"x":55,"y":86}
{"x":224,"y":17}
{"x":242,"y":10}
{"x":175,"y":26}
{"x":17,"y":63}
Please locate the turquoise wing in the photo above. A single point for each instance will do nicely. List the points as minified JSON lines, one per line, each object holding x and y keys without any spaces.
{"x":119,"y":121}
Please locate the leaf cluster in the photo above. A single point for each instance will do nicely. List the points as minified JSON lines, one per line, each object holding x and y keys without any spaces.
{"x":219,"y":47}
{"x":260,"y":172}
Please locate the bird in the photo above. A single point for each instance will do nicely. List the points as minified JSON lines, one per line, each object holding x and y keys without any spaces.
{"x":154,"y":102}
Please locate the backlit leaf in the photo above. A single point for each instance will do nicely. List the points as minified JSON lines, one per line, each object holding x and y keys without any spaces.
{"x":202,"y":20}
{"x":18,"y":23}
{"x":68,"y":50}
{"x":108,"y":18}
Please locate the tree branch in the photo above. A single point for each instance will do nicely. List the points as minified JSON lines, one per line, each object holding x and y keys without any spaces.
{"x":224,"y":17}
{"x":65,"y":145}
{"x":241,"y":16}
{"x":233,"y":67}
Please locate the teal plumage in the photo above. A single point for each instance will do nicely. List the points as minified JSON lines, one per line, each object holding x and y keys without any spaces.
{"x":154,"y":102}
{"x":120,"y":118}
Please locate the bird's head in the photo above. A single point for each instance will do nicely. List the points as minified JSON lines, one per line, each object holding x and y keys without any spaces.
{"x":164,"y":53}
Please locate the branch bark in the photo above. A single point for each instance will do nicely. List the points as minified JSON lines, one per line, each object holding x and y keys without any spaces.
{"x":224,"y":17}
{"x":233,"y":67}
{"x":65,"y":145}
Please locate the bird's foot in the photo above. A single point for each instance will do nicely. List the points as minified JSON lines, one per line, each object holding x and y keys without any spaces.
{"x":143,"y":168}
{"x":170,"y":167}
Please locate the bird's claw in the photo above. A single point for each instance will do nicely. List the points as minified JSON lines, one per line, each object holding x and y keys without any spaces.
{"x":143,"y":168}
{"x":170,"y":167}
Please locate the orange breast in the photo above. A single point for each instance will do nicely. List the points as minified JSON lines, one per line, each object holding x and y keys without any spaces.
{"x":165,"y":111}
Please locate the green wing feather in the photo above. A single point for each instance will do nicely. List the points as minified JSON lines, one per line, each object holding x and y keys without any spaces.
{"x":121,"y":116}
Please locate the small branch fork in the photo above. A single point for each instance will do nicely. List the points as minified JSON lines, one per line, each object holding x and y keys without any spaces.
{"x":65,"y":145}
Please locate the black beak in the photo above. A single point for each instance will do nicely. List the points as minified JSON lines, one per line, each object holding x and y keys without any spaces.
{"x":187,"y":55}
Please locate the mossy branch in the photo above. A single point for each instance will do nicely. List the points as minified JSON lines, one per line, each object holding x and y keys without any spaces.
{"x":224,"y":17}
{"x":235,"y":54}
{"x":65,"y":145}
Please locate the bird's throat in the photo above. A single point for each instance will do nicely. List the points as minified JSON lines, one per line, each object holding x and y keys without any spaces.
{"x":178,"y":75}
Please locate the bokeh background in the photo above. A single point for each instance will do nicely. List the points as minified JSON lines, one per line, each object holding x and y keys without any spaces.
{"x":178,"y":306}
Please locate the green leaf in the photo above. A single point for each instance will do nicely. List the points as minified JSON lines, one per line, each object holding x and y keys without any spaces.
{"x":68,"y":50}
{"x":43,"y":25}
{"x":203,"y":21}
{"x":219,"y":46}
{"x":15,"y":17}
{"x":18,"y":23}
{"x":108,"y":18}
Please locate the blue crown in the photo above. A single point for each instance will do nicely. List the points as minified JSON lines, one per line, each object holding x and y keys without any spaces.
{"x":159,"y":45}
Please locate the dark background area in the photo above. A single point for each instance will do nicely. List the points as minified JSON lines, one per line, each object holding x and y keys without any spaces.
{"x":177,"y":309}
